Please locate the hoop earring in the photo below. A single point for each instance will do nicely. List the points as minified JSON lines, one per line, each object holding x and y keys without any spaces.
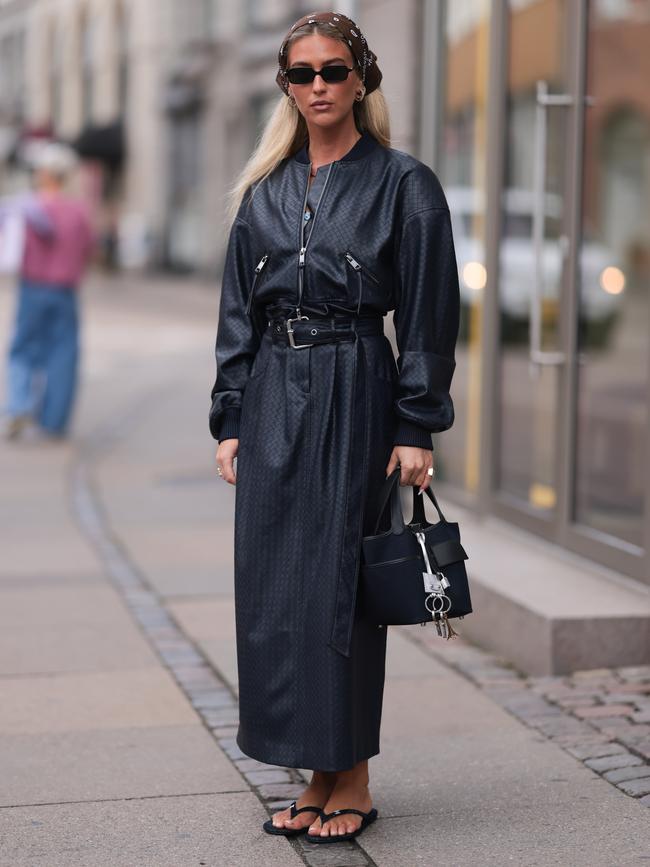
{"x":360,"y":95}
{"x":292,"y":99}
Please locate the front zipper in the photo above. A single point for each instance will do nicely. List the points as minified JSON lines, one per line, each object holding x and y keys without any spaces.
{"x":303,"y":245}
{"x":258,"y":271}
{"x":358,"y":268}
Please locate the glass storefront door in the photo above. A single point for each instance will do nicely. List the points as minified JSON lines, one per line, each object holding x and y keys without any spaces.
{"x":571,"y":425}
{"x":532,"y":253}
{"x":461,"y":167}
{"x":614,"y":275}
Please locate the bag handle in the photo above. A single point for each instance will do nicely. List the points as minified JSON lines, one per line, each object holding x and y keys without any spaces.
{"x":390,"y":490}
{"x":418,"y":505}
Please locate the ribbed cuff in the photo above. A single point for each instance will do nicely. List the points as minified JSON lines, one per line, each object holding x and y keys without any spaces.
{"x":229,"y":427}
{"x":410,"y":434}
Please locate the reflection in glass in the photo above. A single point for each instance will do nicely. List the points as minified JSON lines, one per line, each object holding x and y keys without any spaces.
{"x":612,"y":424}
{"x":462,"y":172}
{"x":537,"y":51}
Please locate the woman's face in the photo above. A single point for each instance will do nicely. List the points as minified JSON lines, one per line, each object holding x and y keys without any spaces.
{"x":338,"y":97}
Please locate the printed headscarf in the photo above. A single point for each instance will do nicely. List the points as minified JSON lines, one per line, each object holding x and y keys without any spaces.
{"x":367,"y":60}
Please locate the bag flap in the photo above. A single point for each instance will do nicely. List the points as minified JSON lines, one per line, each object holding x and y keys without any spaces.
{"x":449,"y":551}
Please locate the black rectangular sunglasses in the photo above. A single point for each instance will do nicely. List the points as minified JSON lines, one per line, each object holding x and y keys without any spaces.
{"x":306,"y":74}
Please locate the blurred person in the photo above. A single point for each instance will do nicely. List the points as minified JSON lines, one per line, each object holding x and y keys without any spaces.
{"x":332,"y":229}
{"x":43,"y":353}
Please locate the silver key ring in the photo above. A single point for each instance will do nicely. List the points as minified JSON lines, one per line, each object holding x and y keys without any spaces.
{"x":436,"y":598}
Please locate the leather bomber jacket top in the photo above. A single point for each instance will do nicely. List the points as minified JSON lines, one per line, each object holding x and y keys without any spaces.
{"x":381,"y":240}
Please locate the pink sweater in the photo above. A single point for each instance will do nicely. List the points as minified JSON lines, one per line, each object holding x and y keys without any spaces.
{"x":59,"y":256}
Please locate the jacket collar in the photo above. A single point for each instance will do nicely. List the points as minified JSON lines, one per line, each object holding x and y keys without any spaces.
{"x":359,"y":149}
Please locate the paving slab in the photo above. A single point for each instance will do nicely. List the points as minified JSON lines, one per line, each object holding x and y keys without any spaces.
{"x":94,"y":700}
{"x":67,"y":626}
{"x":460,"y":780}
{"x":211,"y":830}
{"x":31,"y":550}
{"x":137,"y":762}
{"x":490,"y":838}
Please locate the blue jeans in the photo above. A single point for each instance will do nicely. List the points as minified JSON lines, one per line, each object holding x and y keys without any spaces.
{"x":43,"y":358}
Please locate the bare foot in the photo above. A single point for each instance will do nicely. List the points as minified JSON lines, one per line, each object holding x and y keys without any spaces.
{"x":316,"y":793}
{"x":350,"y":790}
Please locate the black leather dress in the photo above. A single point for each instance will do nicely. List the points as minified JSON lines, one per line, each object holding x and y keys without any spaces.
{"x":316,"y":428}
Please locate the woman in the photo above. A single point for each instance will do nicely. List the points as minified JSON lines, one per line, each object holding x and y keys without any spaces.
{"x":333,"y":228}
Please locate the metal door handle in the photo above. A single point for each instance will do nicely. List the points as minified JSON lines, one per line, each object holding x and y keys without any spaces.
{"x":538,"y":356}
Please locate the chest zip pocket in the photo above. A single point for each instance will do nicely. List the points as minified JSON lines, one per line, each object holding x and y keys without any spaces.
{"x":258,"y":270}
{"x":357,"y":267}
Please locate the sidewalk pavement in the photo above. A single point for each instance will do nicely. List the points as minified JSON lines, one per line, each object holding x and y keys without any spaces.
{"x":118,"y":668}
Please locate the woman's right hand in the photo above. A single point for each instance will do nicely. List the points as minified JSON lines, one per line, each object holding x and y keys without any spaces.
{"x":226,"y":453}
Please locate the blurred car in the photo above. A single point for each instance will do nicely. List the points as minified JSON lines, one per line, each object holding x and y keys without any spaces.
{"x":602,"y":278}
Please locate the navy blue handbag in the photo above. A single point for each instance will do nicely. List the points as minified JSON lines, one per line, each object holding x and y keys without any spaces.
{"x":415,"y":572}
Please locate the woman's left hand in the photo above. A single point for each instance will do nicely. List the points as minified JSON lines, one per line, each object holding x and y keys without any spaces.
{"x":414,"y":463}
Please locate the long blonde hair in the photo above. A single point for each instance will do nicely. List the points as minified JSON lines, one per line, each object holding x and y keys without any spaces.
{"x":285,"y":132}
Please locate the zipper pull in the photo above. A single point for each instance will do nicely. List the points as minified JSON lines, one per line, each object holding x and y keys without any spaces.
{"x":353,"y":262}
{"x":259,"y":267}
{"x":301,"y":257}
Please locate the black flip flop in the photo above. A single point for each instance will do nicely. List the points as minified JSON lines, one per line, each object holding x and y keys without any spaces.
{"x":270,"y":828}
{"x":368,"y":818}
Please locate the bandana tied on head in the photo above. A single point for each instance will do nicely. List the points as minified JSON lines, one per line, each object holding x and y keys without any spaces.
{"x":367,"y":60}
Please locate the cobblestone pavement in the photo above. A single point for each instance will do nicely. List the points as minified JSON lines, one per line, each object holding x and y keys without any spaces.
{"x":600,"y":716}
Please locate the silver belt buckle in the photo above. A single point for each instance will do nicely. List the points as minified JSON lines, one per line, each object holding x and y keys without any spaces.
{"x":290,"y":333}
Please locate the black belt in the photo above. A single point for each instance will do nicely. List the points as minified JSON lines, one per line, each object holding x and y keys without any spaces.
{"x":310,"y":331}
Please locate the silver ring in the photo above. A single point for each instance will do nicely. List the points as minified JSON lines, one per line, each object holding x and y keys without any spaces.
{"x":219,"y":471}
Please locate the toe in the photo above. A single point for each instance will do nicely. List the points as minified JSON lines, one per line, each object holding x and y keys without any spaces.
{"x":279,"y":820}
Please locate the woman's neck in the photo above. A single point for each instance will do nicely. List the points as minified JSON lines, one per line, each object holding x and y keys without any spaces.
{"x":327,"y":145}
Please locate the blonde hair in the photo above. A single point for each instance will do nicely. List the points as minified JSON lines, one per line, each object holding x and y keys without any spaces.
{"x":285,"y":131}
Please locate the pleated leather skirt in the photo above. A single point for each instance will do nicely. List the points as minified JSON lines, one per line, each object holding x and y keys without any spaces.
{"x":316,"y":434}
